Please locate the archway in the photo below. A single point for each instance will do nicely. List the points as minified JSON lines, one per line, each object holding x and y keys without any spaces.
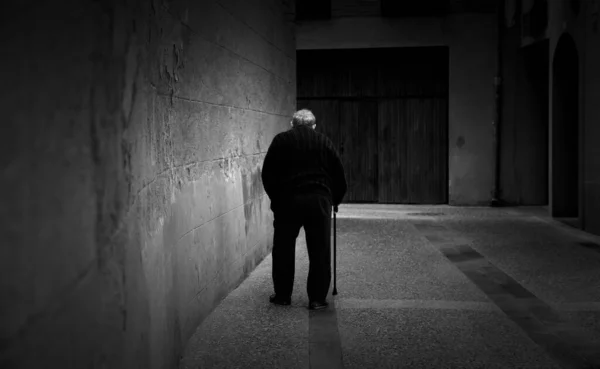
{"x":565,"y":129}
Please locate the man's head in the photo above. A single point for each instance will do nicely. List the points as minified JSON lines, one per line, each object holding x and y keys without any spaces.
{"x":304,"y":117}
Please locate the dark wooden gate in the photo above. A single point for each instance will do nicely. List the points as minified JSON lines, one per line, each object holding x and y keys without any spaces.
{"x":359,"y":151}
{"x":386,"y":112}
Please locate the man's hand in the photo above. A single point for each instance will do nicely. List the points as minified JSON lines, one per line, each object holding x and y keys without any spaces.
{"x":335,"y":208}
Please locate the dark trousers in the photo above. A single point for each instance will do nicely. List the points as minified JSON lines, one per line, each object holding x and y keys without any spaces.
{"x":313,"y":212}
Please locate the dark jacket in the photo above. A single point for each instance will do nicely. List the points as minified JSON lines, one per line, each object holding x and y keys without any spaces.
{"x":302,"y":160}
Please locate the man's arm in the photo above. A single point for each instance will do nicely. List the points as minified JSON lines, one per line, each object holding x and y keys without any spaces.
{"x":269,"y":169}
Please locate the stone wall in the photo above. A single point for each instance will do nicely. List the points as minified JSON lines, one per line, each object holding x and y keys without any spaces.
{"x":131,"y":191}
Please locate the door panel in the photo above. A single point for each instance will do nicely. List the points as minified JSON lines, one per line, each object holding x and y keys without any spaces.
{"x":413,"y":151}
{"x":393,"y":159}
{"x":358,"y":129}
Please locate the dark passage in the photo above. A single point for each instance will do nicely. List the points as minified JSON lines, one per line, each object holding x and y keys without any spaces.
{"x":135,"y":232}
{"x":565,"y":130}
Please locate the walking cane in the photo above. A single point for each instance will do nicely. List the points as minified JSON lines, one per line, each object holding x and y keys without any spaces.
{"x":335,"y":208}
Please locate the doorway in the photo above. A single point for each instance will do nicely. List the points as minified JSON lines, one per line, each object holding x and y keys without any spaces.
{"x":386,"y":110}
{"x":565,"y":131}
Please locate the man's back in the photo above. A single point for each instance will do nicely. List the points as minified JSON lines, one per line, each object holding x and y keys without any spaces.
{"x":302,"y":160}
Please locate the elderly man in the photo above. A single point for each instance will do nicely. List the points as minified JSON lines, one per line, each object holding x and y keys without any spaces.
{"x":303,"y":176}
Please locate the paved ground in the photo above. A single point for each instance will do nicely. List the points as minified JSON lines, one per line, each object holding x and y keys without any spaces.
{"x":423,"y":287}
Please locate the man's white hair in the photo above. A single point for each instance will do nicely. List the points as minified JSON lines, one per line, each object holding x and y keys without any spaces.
{"x":303,"y":117}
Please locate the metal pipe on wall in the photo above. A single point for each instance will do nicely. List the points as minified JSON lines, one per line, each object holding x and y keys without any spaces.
{"x":495,"y":201}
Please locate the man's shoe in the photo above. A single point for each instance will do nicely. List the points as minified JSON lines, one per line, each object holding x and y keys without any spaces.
{"x":274,"y":299}
{"x":318,"y":305}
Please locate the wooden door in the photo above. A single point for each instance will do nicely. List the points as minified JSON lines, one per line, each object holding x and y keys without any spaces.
{"x":391,"y":110}
{"x":412,"y":143}
{"x":358,"y":149}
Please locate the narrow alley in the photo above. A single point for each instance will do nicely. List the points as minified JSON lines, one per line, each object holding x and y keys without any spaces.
{"x":136,"y":229}
{"x":423,"y":287}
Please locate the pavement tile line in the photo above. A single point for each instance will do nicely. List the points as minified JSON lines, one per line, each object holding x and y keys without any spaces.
{"x":578,"y":306}
{"x":349,"y":303}
{"x":324,"y":343}
{"x":566,"y":343}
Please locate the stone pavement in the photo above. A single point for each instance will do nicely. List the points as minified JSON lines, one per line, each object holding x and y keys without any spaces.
{"x":423,"y":287}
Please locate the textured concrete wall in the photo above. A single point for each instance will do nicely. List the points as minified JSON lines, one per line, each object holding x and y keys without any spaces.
{"x":365,"y":32}
{"x":131,"y":194}
{"x":524,"y":122}
{"x":471,"y":39}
